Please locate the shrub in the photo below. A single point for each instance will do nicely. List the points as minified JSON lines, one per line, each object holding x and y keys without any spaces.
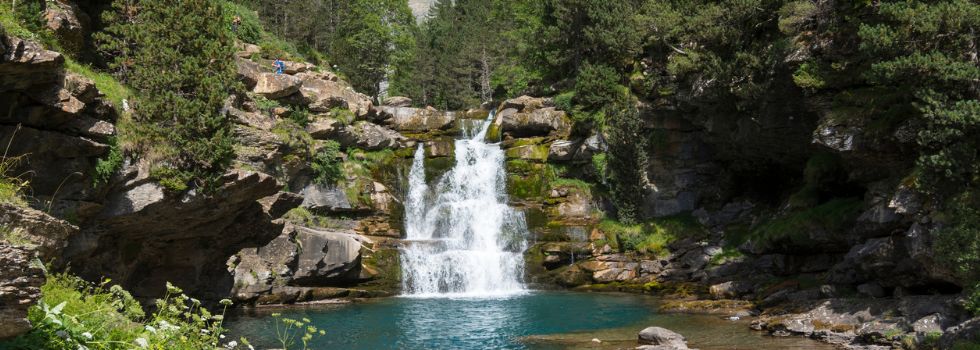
{"x":75,"y":314}
{"x":181,"y":61}
{"x":958,"y":245}
{"x":106,"y":167}
{"x":326,"y":164}
{"x":596,"y":85}
{"x":651,"y":237}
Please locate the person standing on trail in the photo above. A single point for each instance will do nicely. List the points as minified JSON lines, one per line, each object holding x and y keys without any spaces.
{"x":235,"y":22}
{"x":279,"y":65}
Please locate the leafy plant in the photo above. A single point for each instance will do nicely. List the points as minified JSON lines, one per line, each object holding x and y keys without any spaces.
{"x":326,"y":164}
{"x":290,"y":331}
{"x":74,"y":314}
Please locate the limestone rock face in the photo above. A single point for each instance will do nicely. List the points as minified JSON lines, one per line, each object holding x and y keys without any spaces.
{"x":39,"y":231}
{"x":20,"y":287}
{"x":407,"y":119}
{"x":145,"y":237}
{"x":273,"y":86}
{"x":24,"y":64}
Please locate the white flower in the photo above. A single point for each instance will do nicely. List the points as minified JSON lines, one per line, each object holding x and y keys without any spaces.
{"x":250,"y":347}
{"x":231,"y":345}
{"x":205,"y":331}
{"x":150,"y":329}
{"x":87,"y":335}
{"x":142,"y":342}
{"x":221,"y":336}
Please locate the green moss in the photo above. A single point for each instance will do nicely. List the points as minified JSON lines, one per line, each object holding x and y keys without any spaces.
{"x":832,"y":216}
{"x":493,"y":133}
{"x":343,"y":115}
{"x":528,"y":152}
{"x":572,"y":183}
{"x":727,"y":254}
{"x":651,"y":237}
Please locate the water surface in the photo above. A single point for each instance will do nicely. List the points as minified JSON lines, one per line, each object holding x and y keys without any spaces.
{"x":537,"y":320}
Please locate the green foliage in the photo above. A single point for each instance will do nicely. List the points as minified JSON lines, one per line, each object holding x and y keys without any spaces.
{"x":11,"y":185}
{"x":107,"y":166}
{"x":597,"y":85}
{"x":250,"y":29}
{"x":793,"y":16}
{"x":832,"y":216}
{"x":600,"y":164}
{"x":651,"y":237}
{"x":958,"y":244}
{"x":290,"y":331}
{"x":74,"y":314}
{"x":326,"y":163}
{"x":181,"y":61}
{"x":627,"y":161}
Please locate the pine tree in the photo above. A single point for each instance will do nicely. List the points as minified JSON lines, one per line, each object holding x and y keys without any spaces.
{"x":180,"y":60}
{"x":627,"y":158}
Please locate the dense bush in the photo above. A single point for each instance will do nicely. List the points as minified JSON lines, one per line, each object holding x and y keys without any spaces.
{"x":326,"y":163}
{"x":74,"y":314}
{"x":181,"y":62}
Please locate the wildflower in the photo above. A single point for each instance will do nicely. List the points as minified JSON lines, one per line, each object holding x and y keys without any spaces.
{"x":221,"y":336}
{"x":173,"y":289}
{"x":250,"y":347}
{"x":195,"y":301}
{"x":82,"y":347}
{"x":231,"y":345}
{"x":225,"y":302}
{"x":150,"y":329}
{"x":205,"y":331}
{"x":87,"y":335}
{"x":142,"y":342}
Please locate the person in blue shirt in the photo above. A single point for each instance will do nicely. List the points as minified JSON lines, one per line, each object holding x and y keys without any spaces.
{"x":279,"y":65}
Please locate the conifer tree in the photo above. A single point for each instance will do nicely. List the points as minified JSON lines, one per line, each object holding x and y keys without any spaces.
{"x":180,"y":60}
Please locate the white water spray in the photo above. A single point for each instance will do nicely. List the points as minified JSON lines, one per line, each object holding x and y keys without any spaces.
{"x":462,"y":238}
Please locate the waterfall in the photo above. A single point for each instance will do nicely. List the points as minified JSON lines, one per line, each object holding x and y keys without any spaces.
{"x":461,"y":237}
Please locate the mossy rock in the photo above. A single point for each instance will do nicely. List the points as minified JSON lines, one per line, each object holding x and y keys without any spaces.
{"x":537,"y":153}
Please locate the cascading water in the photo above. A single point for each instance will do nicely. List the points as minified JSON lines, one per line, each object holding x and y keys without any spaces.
{"x":462,"y":238}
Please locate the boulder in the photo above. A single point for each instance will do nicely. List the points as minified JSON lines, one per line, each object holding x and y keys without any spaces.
{"x":247,"y":50}
{"x":326,"y":257}
{"x":20,"y":287}
{"x":663,"y":337}
{"x":324,"y":128}
{"x":563,"y":150}
{"x":539,"y":122}
{"x":321,"y":198}
{"x":321,"y":92}
{"x":296,"y":67}
{"x":368,"y":136}
{"x":273,"y":86}
{"x":249,"y":72}
{"x":407,"y":119}
{"x":398,"y":101}
{"x":526,"y":102}
{"x":69,"y":23}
